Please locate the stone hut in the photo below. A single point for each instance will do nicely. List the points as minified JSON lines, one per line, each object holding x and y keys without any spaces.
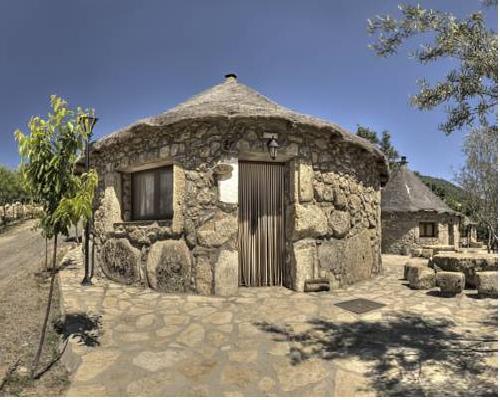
{"x":231,"y":189}
{"x":413,"y":216}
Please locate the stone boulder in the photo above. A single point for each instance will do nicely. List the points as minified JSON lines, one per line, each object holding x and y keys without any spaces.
{"x":421,"y":277}
{"x":450,"y":283}
{"x":226,"y":273}
{"x":120,"y":261}
{"x":487,"y":284}
{"x":339,"y":222}
{"x":169,"y":266}
{"x":220,"y":229}
{"x":310,"y":221}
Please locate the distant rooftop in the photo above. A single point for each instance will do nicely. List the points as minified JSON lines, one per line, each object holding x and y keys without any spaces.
{"x":406,"y":192}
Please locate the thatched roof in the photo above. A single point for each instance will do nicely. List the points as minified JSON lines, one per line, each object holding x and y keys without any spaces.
{"x":230,"y":100}
{"x":406,"y":192}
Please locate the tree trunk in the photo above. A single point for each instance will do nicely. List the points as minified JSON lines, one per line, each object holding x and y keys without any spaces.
{"x":76,"y":233}
{"x":46,"y":253}
{"x":47,"y":311}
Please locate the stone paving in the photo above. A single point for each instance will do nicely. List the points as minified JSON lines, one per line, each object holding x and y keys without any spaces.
{"x":273,"y":341}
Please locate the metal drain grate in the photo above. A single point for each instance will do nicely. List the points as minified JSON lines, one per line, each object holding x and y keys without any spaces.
{"x":360,"y":306}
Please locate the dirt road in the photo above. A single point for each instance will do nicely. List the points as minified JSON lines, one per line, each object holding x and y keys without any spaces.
{"x":20,"y":246}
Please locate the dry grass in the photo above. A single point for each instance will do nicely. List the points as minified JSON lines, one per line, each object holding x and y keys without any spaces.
{"x":23,"y":299}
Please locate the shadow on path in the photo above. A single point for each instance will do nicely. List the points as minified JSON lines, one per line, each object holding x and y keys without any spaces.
{"x":405,"y":355}
{"x":84,"y":327}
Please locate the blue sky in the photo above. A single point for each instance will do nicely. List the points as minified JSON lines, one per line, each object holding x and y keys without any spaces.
{"x":131,"y":59}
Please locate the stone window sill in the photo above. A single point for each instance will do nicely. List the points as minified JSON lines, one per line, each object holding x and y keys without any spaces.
{"x":161,"y":222}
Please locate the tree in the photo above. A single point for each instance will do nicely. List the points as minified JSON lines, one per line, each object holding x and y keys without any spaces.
{"x":368,"y":134}
{"x":48,"y":157}
{"x":388,"y":149}
{"x":479,"y":179}
{"x":468,"y":91}
{"x":384,"y":143}
{"x":11,"y":187}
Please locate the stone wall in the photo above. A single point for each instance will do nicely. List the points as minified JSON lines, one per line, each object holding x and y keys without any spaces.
{"x":333,"y":210}
{"x":401,"y":233}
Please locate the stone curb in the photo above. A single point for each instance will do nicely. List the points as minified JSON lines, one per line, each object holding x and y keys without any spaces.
{"x":71,"y":349}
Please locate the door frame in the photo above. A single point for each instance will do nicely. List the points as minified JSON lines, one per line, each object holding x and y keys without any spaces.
{"x":286,"y":274}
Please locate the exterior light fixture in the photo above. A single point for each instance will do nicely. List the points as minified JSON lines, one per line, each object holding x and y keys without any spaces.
{"x":272,"y":146}
{"x":86,"y":123}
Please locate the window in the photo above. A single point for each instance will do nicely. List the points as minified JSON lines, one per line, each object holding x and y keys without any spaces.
{"x":428,"y":229}
{"x":152,"y":194}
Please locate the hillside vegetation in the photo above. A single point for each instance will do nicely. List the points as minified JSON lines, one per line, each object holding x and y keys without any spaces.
{"x":450,"y":193}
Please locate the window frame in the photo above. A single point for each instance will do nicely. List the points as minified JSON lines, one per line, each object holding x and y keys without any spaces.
{"x":156,"y":200}
{"x":422,"y":232}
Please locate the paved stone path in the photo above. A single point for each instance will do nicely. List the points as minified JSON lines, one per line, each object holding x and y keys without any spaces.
{"x":273,"y":341}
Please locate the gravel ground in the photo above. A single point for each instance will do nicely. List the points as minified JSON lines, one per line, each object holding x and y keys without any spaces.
{"x":23,"y":298}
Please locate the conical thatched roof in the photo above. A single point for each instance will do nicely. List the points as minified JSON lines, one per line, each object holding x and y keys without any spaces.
{"x":406,"y":192}
{"x":232,"y":99}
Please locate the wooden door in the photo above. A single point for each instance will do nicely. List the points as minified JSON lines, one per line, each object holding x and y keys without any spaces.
{"x":261,"y":219}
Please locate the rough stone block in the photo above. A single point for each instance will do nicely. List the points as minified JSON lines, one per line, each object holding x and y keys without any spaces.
{"x":340,"y":199}
{"x":120,"y":261}
{"x":450,"y":283}
{"x":306,"y":177}
{"x":340,"y":223}
{"x":204,"y":276}
{"x":351,"y":259}
{"x":303,"y":266}
{"x":219,"y":230}
{"x":421,"y":277}
{"x":108,"y":213}
{"x":310,"y":221}
{"x":414,"y":263}
{"x":416,"y":252}
{"x":226,"y":273}
{"x":487,"y":284}
{"x":469,"y":264}
{"x":427,"y":253}
{"x":169,"y":266}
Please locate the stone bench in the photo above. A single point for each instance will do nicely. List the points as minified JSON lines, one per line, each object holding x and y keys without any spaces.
{"x":487,"y":284}
{"x":420,"y":276}
{"x":466,"y":263}
{"x":450,"y":283}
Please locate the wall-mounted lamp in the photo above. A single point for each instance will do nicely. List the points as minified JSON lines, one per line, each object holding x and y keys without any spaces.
{"x":272,"y":146}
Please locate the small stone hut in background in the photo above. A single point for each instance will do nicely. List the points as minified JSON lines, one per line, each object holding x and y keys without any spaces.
{"x":231,"y":189}
{"x":413,"y":216}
